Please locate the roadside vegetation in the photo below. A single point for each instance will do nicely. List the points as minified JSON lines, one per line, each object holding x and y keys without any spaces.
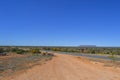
{"x":111,"y":53}
{"x":18,"y":60}
{"x":90,"y":50}
{"x":106,"y":63}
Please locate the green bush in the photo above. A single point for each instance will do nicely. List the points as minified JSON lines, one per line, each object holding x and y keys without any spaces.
{"x":1,"y":50}
{"x":93,"y":51}
{"x":14,"y":49}
{"x":20,"y":51}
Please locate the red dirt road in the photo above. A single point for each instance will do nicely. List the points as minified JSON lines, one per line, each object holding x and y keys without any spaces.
{"x":67,"y":67}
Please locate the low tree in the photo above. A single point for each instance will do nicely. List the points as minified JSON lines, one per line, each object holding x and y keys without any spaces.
{"x":14,"y":49}
{"x":1,"y":50}
{"x":93,"y":51}
{"x":20,"y":51}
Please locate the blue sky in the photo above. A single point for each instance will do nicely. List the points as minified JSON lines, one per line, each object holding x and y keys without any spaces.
{"x":60,"y":22}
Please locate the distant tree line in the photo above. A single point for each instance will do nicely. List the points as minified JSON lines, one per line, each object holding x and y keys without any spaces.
{"x":87,"y":50}
{"x":18,"y":50}
{"x":95,"y":50}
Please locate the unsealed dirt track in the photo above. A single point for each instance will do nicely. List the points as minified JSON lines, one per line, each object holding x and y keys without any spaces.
{"x":67,"y":67}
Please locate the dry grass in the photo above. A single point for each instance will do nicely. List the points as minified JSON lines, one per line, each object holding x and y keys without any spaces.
{"x":107,"y":63}
{"x":9,"y":65}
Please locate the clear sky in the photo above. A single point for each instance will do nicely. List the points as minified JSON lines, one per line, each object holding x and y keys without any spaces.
{"x":60,"y":22}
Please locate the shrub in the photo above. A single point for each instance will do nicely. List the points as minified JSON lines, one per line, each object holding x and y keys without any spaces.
{"x":35,"y":51}
{"x":20,"y":51}
{"x":93,"y":51}
{"x":14,"y":49}
{"x":1,"y":50}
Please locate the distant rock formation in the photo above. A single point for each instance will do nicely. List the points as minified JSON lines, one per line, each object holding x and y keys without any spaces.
{"x":87,"y":46}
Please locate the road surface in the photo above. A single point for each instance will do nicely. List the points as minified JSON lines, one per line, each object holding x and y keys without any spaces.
{"x":105,"y":57}
{"x":68,"y":67}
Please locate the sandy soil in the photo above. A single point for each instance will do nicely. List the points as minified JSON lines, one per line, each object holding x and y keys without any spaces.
{"x":67,"y":67}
